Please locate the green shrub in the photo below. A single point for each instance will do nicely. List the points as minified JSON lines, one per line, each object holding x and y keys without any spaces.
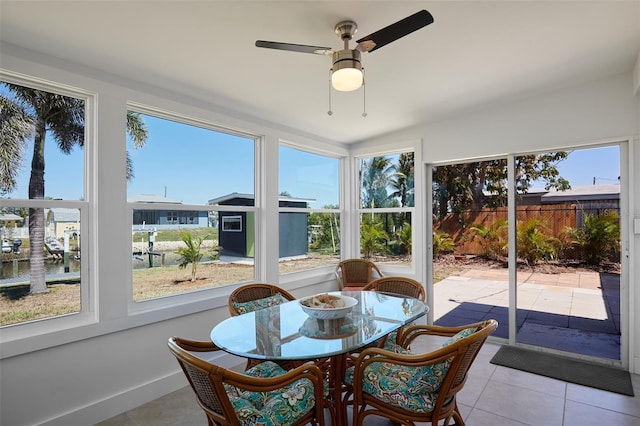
{"x":599,"y":239}
{"x":493,"y":238}
{"x":404,"y":238}
{"x":442,"y":243}
{"x":533,"y":242}
{"x":372,"y":239}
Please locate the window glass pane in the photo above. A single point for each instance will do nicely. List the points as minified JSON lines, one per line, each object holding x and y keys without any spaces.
{"x":470,"y":235}
{"x":60,"y":267}
{"x":40,"y":276}
{"x":386,"y":237}
{"x":178,"y":250}
{"x":62,"y":144}
{"x":188,"y":164}
{"x":387,"y":181}
{"x":308,"y":240}
{"x":308,"y":181}
{"x":160,"y":248}
{"x":311,"y":178}
{"x":568,"y":234}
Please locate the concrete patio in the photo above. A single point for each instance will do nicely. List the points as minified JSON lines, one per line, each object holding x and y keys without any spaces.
{"x":576,"y":312}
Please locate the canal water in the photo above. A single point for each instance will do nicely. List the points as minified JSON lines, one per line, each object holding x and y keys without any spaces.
{"x":20,"y":269}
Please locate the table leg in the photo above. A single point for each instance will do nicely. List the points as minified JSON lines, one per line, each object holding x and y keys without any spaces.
{"x":336,"y":377}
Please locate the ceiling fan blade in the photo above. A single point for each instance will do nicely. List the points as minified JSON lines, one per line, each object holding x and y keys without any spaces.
{"x":303,"y":48}
{"x":395,"y":31}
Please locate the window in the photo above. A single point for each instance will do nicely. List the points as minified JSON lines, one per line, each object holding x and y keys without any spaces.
{"x":309,"y":210}
{"x":386,"y":206}
{"x":180,"y":176}
{"x":232,"y":223}
{"x":43,"y":223}
{"x":172,"y":217}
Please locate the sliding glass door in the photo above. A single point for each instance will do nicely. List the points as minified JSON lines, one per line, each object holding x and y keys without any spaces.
{"x":542,"y":254}
{"x":568,"y":248}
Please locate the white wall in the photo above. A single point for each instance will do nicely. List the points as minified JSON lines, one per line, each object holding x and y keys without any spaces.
{"x":86,"y":374}
{"x":606,"y":110}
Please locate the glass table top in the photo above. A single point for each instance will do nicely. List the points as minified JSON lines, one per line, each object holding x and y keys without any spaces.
{"x":286,"y":332}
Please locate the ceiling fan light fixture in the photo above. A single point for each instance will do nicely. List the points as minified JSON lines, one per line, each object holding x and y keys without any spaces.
{"x":347,"y":71}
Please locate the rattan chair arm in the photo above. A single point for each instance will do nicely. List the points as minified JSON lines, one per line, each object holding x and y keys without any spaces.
{"x":412,"y":332}
{"x":196,"y":345}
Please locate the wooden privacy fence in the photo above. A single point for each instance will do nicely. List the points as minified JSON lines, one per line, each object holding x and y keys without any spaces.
{"x":556,"y":218}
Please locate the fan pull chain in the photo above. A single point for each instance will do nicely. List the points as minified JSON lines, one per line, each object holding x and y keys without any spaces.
{"x":364,"y":94}
{"x":329,"y":112}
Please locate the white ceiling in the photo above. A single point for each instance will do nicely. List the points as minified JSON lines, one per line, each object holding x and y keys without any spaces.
{"x":475,"y":53}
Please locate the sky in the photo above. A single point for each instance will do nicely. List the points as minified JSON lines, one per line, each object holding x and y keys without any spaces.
{"x":583,"y":165}
{"x":193,"y":165}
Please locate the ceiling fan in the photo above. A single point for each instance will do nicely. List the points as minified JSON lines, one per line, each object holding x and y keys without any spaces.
{"x":346,"y":73}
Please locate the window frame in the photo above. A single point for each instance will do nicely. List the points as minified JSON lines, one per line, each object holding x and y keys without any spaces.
{"x":88,"y":287}
{"x":414,"y":210}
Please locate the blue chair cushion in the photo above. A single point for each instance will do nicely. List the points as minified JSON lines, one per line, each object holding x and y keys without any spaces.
{"x":254,"y":305}
{"x":279,"y":407}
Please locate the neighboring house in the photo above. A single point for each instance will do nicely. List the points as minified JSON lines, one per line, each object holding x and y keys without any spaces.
{"x":587,"y":196}
{"x":166,"y":219}
{"x":591,"y":199}
{"x":236,"y":230}
{"x":60,"y":220}
{"x":9,"y":225}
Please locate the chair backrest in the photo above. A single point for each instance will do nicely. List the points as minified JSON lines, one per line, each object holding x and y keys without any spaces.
{"x":356,"y":273}
{"x":398,"y":285}
{"x":255,"y":291}
{"x":204,"y":380}
{"x":465,"y":351}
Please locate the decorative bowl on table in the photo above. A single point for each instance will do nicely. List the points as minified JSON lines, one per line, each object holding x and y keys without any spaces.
{"x":327,"y":306}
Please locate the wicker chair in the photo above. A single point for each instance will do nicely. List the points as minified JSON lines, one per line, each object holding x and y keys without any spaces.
{"x":251,"y":297}
{"x":429,"y":394}
{"x":244,"y":298}
{"x":398,"y":285}
{"x":230,"y":398}
{"x":353,"y":274}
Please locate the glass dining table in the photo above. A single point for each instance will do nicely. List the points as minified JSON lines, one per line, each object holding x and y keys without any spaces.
{"x":286,"y":333}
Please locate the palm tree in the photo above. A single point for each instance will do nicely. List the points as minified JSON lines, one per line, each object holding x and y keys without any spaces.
{"x":402,"y":179}
{"x":63,"y":117}
{"x":190,"y":254}
{"x":15,"y":127}
{"x":374,"y":176}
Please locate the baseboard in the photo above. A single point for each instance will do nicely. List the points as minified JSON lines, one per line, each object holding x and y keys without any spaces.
{"x":131,"y":398}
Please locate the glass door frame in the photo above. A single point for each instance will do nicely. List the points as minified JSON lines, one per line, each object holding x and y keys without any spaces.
{"x":625,"y":226}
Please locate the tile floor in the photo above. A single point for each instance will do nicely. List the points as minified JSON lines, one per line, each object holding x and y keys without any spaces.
{"x":492,"y":396}
{"x":572,"y":312}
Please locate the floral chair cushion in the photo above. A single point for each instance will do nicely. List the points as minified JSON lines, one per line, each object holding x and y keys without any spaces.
{"x":389,"y":384}
{"x":412,"y":388}
{"x":275,"y":408}
{"x":254,"y":305}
